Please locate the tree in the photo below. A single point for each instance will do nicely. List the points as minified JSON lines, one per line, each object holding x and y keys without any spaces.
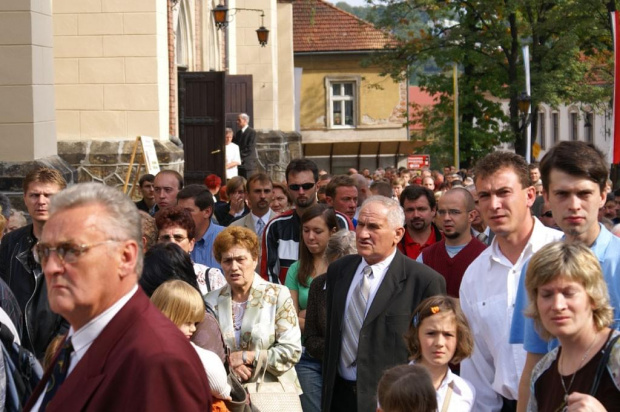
{"x":485,"y":37}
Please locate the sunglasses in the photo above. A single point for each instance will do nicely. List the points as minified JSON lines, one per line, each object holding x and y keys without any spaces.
{"x":305,"y":186}
{"x":547,"y":214}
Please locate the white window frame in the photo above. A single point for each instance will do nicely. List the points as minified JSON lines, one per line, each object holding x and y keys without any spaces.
{"x":588,"y":132}
{"x":573,"y":126}
{"x":330,"y":99}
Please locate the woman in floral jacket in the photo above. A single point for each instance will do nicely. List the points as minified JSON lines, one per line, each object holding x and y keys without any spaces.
{"x":257,"y":318}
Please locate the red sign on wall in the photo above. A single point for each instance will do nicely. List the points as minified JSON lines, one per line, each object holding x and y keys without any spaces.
{"x":418,"y":161}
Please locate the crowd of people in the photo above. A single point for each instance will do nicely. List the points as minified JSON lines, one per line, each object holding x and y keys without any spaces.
{"x":490,"y":289}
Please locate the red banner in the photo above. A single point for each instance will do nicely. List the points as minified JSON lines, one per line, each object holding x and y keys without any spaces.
{"x":615,"y":24}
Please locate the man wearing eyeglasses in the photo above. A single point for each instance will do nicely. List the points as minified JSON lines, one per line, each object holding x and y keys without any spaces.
{"x":454,"y":253}
{"x":19,"y":269}
{"x":120,"y":353}
{"x":280,"y":246}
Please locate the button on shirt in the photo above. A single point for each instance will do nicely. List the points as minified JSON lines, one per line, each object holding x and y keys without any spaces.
{"x":487,"y":294}
{"x":86,"y":335}
{"x":378,"y":273}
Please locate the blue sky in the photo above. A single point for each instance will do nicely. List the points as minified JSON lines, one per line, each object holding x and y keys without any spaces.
{"x":351,"y":2}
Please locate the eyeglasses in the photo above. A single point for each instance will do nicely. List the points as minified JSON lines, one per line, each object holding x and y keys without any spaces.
{"x":175,"y":238}
{"x":547,"y":214}
{"x":67,"y":252}
{"x":305,"y":186}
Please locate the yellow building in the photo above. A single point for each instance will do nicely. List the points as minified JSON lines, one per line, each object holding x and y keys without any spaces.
{"x":349,"y":115}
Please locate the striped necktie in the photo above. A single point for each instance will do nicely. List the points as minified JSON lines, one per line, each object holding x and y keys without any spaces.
{"x":354,"y":318}
{"x":260,"y":226}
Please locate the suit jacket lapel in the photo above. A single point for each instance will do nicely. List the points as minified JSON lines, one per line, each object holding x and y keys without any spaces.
{"x":387,"y":289}
{"x":89,"y":372}
{"x":341,"y":289}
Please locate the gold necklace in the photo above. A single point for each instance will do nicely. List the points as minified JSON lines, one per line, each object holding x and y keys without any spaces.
{"x":566,"y":389}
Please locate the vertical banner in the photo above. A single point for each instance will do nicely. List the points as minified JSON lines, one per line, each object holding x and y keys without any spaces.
{"x":528,"y":133}
{"x":615,"y":20}
{"x":455,"y":81}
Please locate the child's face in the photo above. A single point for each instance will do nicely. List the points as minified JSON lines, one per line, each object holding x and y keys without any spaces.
{"x":188,"y":329}
{"x":437,"y":335}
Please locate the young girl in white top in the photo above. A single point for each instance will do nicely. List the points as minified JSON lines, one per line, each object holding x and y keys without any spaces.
{"x":439,"y":335}
{"x":182,"y":304}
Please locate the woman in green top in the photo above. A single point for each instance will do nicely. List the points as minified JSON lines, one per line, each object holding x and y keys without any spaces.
{"x":318,"y":223}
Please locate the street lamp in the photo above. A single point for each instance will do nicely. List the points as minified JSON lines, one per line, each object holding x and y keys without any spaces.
{"x":220,"y":17}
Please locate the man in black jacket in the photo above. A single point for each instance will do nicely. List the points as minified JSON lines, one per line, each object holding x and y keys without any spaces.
{"x":245,"y":138}
{"x":19,"y":269}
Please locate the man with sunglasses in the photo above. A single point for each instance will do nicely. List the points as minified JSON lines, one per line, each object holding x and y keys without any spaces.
{"x":19,"y":269}
{"x":121,"y":352}
{"x":280,"y":246}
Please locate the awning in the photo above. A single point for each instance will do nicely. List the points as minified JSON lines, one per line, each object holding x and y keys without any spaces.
{"x":396,"y":148}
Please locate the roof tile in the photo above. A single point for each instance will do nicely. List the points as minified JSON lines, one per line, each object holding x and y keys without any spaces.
{"x":319,"y":26}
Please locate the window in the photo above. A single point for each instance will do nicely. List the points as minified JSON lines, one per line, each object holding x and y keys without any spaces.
{"x":555,"y":120}
{"x":542,"y":136}
{"x":342,"y":101}
{"x":574,"y":126}
{"x":588,"y":128}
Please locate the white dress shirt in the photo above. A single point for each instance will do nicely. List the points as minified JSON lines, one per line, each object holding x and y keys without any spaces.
{"x":82,"y":338}
{"x":487,"y":294}
{"x":463,"y":393}
{"x":378,"y":273}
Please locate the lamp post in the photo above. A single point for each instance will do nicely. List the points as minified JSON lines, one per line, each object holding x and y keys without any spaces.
{"x":220,"y":16}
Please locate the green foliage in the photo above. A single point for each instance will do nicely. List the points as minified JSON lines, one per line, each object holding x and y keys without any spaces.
{"x":569,"y":41}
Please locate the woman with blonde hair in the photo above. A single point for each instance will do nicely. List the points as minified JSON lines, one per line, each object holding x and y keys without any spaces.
{"x":569,"y":301}
{"x":183,"y":305}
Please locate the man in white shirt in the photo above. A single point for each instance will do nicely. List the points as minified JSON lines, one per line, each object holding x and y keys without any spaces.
{"x":233,"y":157}
{"x":488,"y":289}
{"x":120,"y":353}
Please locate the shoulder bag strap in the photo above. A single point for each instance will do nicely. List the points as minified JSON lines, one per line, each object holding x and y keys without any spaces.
{"x":603,"y":365}
{"x":446,"y":401}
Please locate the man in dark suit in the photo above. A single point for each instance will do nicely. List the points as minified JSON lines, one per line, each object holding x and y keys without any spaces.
{"x":245,"y":138}
{"x":370,"y":299}
{"x":120,"y":353}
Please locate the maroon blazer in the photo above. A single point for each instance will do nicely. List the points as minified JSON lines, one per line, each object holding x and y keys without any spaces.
{"x":140,"y":361}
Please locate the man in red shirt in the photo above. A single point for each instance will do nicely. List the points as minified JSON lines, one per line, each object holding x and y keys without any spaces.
{"x":420,"y":208}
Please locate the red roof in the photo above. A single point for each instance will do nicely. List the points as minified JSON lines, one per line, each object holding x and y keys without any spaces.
{"x":319,"y":26}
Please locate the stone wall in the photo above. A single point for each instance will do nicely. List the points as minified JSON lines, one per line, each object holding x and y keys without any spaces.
{"x":108,"y":161}
{"x":275,"y":150}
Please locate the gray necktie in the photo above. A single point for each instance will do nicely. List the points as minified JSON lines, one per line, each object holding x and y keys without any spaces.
{"x":354,"y":318}
{"x":482,"y":237}
{"x":260,"y":226}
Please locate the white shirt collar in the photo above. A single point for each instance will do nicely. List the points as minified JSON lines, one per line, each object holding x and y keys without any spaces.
{"x":244,"y":127}
{"x":86,"y":335}
{"x":264,"y":218}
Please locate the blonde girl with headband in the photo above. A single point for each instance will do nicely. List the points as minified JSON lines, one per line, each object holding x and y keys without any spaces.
{"x":439,"y":335}
{"x":182,"y":304}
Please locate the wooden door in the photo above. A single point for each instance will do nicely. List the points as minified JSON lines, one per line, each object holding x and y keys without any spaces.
{"x":201,"y":124}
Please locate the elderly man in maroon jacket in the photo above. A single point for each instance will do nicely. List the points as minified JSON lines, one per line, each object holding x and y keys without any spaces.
{"x":120,"y":353}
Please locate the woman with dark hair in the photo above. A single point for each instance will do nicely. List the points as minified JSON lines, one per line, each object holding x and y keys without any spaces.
{"x":176,"y":225}
{"x":282,"y":200}
{"x":163,"y":262}
{"x":318,"y":223}
{"x":308,"y":369}
{"x":167,"y":261}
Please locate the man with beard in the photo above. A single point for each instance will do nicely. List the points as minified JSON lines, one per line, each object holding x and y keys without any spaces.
{"x":452,"y":255}
{"x":420,"y":207}
{"x":280,"y":246}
